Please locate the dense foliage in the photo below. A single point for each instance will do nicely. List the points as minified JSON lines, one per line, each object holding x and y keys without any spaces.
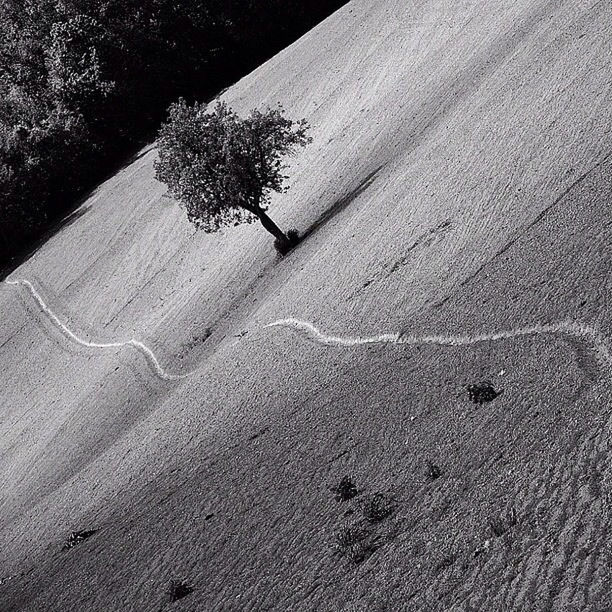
{"x":84,"y":81}
{"x":223,"y":168}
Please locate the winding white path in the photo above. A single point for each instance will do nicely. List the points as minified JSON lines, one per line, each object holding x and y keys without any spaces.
{"x":139,"y":346}
{"x":589,"y":335}
{"x":586,"y":333}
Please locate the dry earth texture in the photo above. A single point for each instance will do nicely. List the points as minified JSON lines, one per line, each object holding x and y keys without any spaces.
{"x":459,"y":185}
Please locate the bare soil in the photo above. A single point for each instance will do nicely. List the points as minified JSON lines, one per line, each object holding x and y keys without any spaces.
{"x":459,"y":182}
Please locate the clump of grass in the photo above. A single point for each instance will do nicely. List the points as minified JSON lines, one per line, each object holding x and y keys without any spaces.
{"x":355,"y":543}
{"x":363,"y":551}
{"x":283,"y":247}
{"x":501,"y":524}
{"x":349,"y":536}
{"x":179,"y":589}
{"x":346,"y":489}
{"x":377,"y":507}
{"x":480,"y":393}
{"x":76,"y":537}
{"x":445,"y":563}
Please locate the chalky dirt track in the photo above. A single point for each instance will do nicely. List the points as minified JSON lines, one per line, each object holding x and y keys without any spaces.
{"x":458,"y":186}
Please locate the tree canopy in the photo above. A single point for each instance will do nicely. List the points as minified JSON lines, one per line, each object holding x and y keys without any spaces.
{"x":222,"y":168}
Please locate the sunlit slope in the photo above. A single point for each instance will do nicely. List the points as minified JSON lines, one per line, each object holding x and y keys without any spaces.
{"x":458,"y":183}
{"x":466,"y":113}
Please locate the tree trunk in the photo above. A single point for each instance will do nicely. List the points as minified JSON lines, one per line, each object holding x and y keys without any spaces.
{"x":271,"y":226}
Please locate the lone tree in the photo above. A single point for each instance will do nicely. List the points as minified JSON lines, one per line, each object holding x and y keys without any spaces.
{"x":222,"y":168}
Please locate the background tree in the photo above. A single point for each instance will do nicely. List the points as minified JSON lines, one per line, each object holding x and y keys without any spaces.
{"x":84,"y":83}
{"x":223,"y":169}
{"x":74,"y":65}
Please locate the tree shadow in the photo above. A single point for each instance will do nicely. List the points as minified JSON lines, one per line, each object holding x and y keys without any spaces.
{"x":142,"y":148}
{"x":341,"y":205}
{"x":20,"y":258}
{"x":145,"y":148}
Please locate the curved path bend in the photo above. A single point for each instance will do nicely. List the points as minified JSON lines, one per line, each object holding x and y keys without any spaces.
{"x":136,"y":344}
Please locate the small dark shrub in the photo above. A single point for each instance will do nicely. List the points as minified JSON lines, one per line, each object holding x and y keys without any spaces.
{"x":432,"y":471}
{"x":76,"y":537}
{"x":282,"y":247}
{"x":480,"y":393}
{"x":377,"y":507}
{"x":179,"y":589}
{"x":346,"y":489}
{"x":294,"y":236}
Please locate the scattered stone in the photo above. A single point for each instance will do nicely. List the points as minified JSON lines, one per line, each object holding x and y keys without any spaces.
{"x":76,"y":537}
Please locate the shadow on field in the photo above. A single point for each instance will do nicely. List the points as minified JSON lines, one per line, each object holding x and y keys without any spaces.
{"x":66,"y":221}
{"x":341,"y":205}
{"x":147,"y":147}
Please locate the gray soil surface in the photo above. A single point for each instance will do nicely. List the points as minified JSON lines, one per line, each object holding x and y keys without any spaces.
{"x":459,"y":185}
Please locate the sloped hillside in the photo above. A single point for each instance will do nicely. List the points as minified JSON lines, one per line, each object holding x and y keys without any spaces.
{"x":456,"y":198}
